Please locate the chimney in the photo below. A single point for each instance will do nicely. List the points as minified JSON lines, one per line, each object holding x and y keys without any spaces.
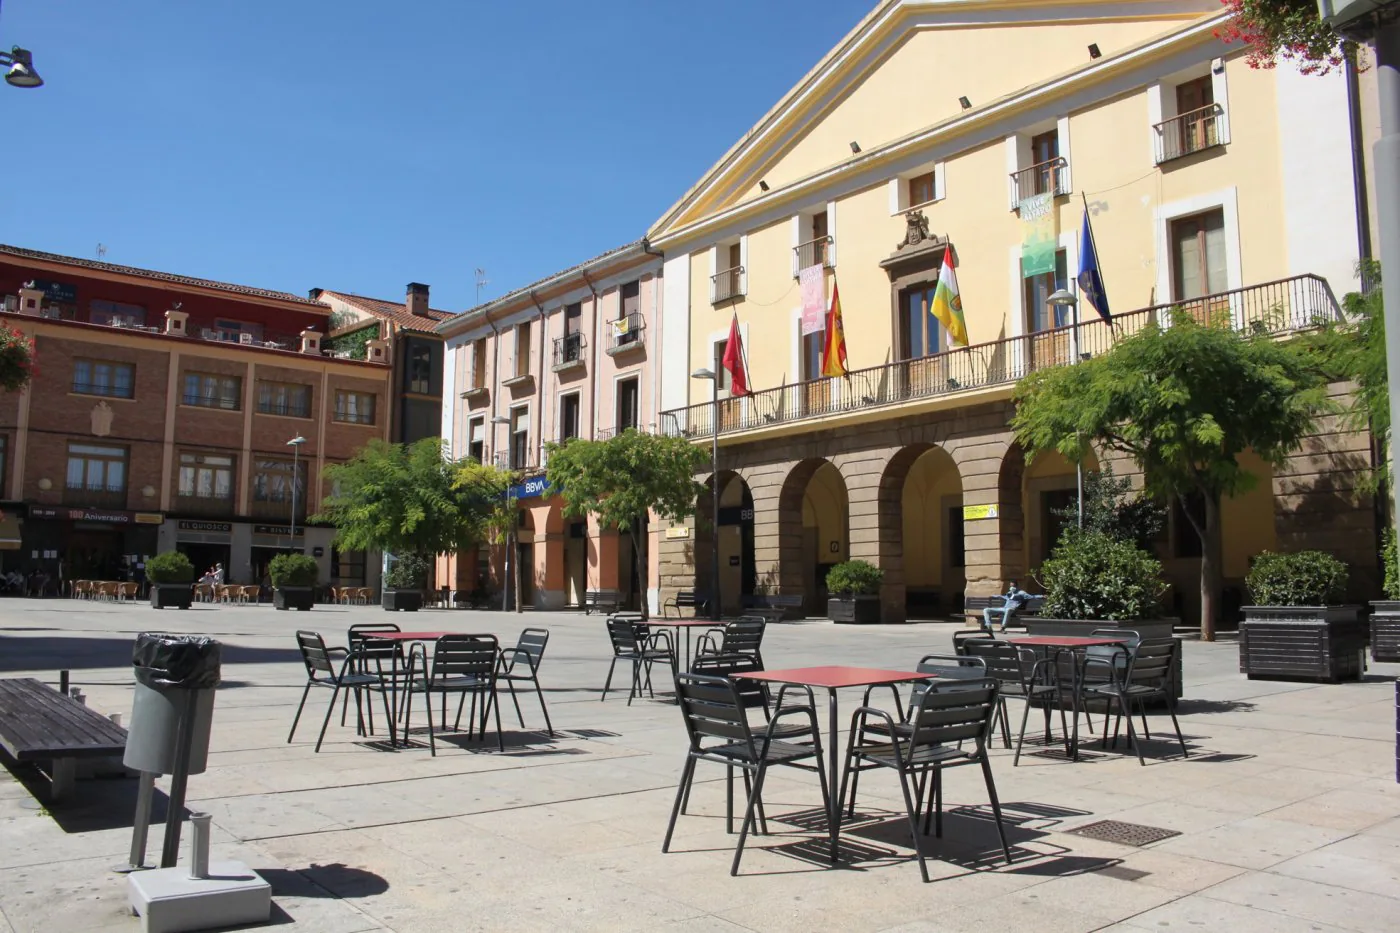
{"x":310,"y":342}
{"x":417,"y":300}
{"x":31,"y":300}
{"x":377,"y":351}
{"x":176,"y":322}
{"x":315,"y":294}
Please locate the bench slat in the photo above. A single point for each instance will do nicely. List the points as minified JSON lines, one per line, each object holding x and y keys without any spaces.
{"x":37,"y":723}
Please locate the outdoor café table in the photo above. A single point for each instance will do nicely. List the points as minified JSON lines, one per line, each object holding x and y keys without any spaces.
{"x":831,"y":679}
{"x":403,"y":638}
{"x":1075,"y":645}
{"x":688,"y":625}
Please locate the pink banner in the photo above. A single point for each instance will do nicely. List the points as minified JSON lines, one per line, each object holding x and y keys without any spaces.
{"x":813,"y":282}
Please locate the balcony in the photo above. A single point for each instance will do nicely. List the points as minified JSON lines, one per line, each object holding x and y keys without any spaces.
{"x":209,"y":506}
{"x":1190,"y":132}
{"x":278,"y":508}
{"x":729,"y":285}
{"x":626,"y":334}
{"x":520,"y":458}
{"x":813,"y":253}
{"x":95,"y":497}
{"x":1049,"y":177}
{"x":286,"y":409}
{"x":569,"y":352}
{"x":1283,"y":307}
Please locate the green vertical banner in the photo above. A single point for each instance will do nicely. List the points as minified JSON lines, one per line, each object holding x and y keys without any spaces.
{"x":1039,"y":237}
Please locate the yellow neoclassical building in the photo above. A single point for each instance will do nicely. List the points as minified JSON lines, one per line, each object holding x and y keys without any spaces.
{"x":989,"y":128}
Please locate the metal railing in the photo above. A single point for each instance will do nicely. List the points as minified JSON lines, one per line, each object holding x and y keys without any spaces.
{"x":569,"y":350}
{"x":521,"y":457}
{"x":290,"y":409}
{"x":1190,"y":132}
{"x":103,"y":388}
{"x":727,"y":285}
{"x":353,"y":417}
{"x":1276,"y":308}
{"x":227,"y":403}
{"x":277,"y":508}
{"x":207,"y":505}
{"x":813,"y":253}
{"x":95,"y":497}
{"x":1049,"y":177}
{"x":626,"y":332}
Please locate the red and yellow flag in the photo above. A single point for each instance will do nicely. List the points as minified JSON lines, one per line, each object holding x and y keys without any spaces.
{"x":834,"y":351}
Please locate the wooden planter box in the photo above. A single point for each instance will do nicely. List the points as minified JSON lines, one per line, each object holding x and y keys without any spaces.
{"x":403,"y":600}
{"x":1385,"y":630}
{"x":1326,"y":643}
{"x":171,"y":595}
{"x":1147,"y":628}
{"x":859,"y":610}
{"x":300,"y":598}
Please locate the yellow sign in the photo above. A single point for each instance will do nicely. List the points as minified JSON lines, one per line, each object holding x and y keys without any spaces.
{"x":972,"y":513}
{"x":678,"y":531}
{"x":149,"y":518}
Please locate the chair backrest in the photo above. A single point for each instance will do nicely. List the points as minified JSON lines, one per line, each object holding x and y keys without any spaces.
{"x":465,"y":656}
{"x":1151,"y":665}
{"x":1002,"y":660}
{"x":1117,"y":655}
{"x":373,"y":648}
{"x":946,"y":667}
{"x":711,"y":709}
{"x":624,"y":635}
{"x":314,"y":654}
{"x":743,"y":636}
{"x":532,"y":643}
{"x":950,"y":713}
{"x":752,"y":694}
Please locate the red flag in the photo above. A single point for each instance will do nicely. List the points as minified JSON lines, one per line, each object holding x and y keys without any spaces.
{"x":834,"y":352}
{"x":733,"y":360}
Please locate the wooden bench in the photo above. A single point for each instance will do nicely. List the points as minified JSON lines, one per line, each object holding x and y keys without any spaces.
{"x":602,"y":600}
{"x":37,"y":723}
{"x":686,"y":599}
{"x":973,"y":606}
{"x":775,"y":607}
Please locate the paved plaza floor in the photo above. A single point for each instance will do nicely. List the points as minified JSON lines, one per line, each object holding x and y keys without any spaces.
{"x":1287,"y":811}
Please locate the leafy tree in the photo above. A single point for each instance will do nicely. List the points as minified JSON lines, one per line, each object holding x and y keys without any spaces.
{"x":1093,"y":575}
{"x":1354,"y":350}
{"x":412,"y":499}
{"x":622,"y":479}
{"x":1184,"y":402}
{"x":1289,"y":29}
{"x":1112,"y":508}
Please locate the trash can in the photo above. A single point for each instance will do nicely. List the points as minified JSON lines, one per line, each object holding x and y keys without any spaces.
{"x":170,"y":671}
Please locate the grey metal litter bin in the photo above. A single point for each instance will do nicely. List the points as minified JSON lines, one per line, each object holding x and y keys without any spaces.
{"x":169,"y":669}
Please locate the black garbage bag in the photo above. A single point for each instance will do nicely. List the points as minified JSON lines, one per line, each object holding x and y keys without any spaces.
{"x":163,"y":662}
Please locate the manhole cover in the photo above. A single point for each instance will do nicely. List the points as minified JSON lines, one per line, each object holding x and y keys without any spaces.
{"x":1125,"y":834}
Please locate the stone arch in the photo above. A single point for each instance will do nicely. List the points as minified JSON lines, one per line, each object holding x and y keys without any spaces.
{"x":736,"y":540}
{"x":921,"y":548}
{"x":814,"y":529}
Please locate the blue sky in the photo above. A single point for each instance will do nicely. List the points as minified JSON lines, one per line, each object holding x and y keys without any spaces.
{"x":359,"y":145}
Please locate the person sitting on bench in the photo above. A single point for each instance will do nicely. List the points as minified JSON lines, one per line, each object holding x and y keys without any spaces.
{"x":1014,"y":599}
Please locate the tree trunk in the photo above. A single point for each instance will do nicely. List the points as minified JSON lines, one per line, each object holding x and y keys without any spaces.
{"x":1211,"y":568}
{"x":637,"y":558}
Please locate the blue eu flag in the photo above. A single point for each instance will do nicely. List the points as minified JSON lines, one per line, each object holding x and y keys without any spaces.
{"x":1090,"y":281}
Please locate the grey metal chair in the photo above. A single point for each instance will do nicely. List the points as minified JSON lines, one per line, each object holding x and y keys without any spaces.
{"x":462,"y":664}
{"x":522,"y":664}
{"x":1147,"y":676}
{"x":742,"y":636}
{"x":321,"y":672}
{"x":637,"y":645}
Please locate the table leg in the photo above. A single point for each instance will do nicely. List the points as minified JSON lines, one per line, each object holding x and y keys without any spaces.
{"x":1075,"y":685}
{"x":834,"y":803}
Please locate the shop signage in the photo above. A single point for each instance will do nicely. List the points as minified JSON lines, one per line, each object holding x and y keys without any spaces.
{"x":84,"y":515}
{"x":279,"y":530}
{"x":972,"y":513}
{"x":150,"y":518}
{"x":56,"y":291}
{"x":217,"y":528}
{"x":530,"y":488}
{"x":318,"y":552}
{"x":677,"y":531}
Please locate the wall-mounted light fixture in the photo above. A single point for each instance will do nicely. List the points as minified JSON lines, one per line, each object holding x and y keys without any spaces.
{"x":1094,"y":51}
{"x":855,"y":147}
{"x":45,"y":484}
{"x":966,"y":104}
{"x":762,"y":185}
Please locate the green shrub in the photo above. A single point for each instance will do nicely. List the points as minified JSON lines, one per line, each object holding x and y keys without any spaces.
{"x":1093,"y":575}
{"x":1307,"y":578}
{"x":409,"y":572}
{"x":1390,"y":557}
{"x":169,"y":567}
{"x":293,"y":570}
{"x":854,"y":578}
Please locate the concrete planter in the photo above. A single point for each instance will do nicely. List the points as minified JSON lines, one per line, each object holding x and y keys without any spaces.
{"x":1385,"y":630}
{"x":1147,"y":628}
{"x":857,"y":610}
{"x":1326,"y":643}
{"x":403,"y":600}
{"x":171,"y":595}
{"x":300,"y":598}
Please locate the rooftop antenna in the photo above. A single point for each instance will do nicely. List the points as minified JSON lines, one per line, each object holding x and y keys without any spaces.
{"x":101,"y":250}
{"x":481,"y":282}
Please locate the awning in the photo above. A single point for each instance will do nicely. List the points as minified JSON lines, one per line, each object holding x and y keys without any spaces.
{"x":9,"y":532}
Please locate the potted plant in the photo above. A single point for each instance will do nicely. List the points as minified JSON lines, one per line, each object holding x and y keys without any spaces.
{"x":854,"y":588}
{"x":1385,"y":613}
{"x":170,"y":574}
{"x":403,"y":584}
{"x":293,"y":581}
{"x":1297,"y":627}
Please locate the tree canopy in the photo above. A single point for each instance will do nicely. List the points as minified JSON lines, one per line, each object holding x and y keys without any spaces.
{"x":412,"y":499}
{"x":1288,"y":29}
{"x":1184,"y":402}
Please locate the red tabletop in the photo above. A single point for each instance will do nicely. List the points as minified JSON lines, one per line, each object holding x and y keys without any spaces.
{"x":1065,"y":641}
{"x":835,"y":676}
{"x":407,"y":636}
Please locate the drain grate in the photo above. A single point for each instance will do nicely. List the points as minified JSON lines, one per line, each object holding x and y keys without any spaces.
{"x":1125,"y":834}
{"x":1059,"y":754}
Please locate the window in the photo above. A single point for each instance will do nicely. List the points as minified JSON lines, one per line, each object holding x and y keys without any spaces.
{"x":812,"y":345}
{"x":1041,"y":316}
{"x":1046,"y":172}
{"x":921,"y":190}
{"x":919,"y":332}
{"x":573,"y":319}
{"x":234,"y":331}
{"x":1195,"y":107}
{"x":519,"y":438}
{"x":207,"y":390}
{"x":98,"y":377}
{"x":420,"y":368}
{"x":629,"y":315}
{"x":816,"y":250}
{"x":206,"y":476}
{"x":628,"y":396}
{"x":522,"y":349}
{"x":479,"y":364}
{"x":630,"y":296}
{"x":1198,"y":256}
{"x":722,"y":374}
{"x":347,"y":567}
{"x":273,"y":481}
{"x":728,"y":282}
{"x":476,"y":438}
{"x":281,"y":398}
{"x":96,"y":469}
{"x":354,"y":407}
{"x":568,"y":416}
{"x":116,"y":314}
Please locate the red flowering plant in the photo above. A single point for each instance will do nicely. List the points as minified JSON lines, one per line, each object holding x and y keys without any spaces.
{"x":16,"y":359}
{"x":1288,"y":29}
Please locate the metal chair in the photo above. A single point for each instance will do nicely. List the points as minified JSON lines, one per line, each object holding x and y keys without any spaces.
{"x":1147,"y":676}
{"x":742,"y":636}
{"x":462,"y":664}
{"x":321,"y":672}
{"x":946,"y":717}
{"x":522,"y":663}
{"x":717,"y":725}
{"x":1032,"y":682}
{"x":634,"y":643}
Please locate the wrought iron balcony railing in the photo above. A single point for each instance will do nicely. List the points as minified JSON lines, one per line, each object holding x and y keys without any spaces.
{"x":216,"y":506}
{"x":1278,"y":308}
{"x":813,"y":253}
{"x":569,"y":350}
{"x":626,"y":332}
{"x":97,"y":496}
{"x":1049,"y":177}
{"x":728,"y":285}
{"x":1190,"y":132}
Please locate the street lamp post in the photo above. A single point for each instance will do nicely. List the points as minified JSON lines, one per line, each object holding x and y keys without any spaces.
{"x":295,"y":443}
{"x":1063,"y":298}
{"x":512,"y":561}
{"x":713,"y":377}
{"x":21,"y":71}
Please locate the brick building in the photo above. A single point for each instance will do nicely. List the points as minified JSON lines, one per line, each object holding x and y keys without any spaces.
{"x":161,"y":415}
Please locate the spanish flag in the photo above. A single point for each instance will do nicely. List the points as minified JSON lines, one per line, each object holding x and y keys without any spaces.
{"x":947,"y":303}
{"x":834,"y":352}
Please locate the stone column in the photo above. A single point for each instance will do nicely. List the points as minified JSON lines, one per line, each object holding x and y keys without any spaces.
{"x":992,"y":474}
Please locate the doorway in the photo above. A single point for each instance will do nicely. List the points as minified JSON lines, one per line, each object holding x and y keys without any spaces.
{"x":525,"y":554}
{"x":205,"y":556}
{"x":576,"y":564}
